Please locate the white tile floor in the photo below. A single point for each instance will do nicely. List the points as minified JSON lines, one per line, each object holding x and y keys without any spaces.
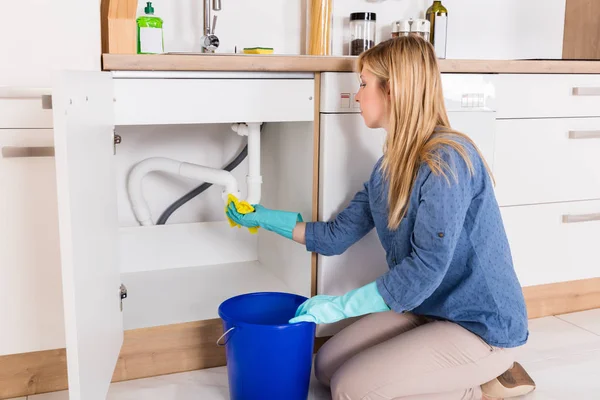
{"x":562,"y":355}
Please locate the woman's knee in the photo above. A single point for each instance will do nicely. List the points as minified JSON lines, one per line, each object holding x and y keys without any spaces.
{"x":350,"y":383}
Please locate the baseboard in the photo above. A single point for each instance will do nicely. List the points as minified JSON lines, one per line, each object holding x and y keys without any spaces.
{"x":146,"y":352}
{"x":562,"y":298}
{"x":190,"y":346}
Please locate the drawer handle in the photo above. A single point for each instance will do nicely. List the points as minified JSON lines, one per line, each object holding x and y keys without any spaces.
{"x":584,"y":134}
{"x":7,"y":92}
{"x":573,"y":219}
{"x":27,"y":152}
{"x":586,"y":91}
{"x":24,"y":93}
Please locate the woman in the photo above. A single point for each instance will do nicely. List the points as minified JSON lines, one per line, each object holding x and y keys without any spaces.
{"x":443,"y":319}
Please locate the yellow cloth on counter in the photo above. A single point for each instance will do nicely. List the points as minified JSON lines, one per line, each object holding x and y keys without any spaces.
{"x":243,"y":207}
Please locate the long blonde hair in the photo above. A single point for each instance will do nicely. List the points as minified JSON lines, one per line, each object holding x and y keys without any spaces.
{"x":407,"y":66}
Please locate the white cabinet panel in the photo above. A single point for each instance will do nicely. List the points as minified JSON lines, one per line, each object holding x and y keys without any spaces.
{"x":192,"y":101}
{"x":29,"y":247}
{"x":547,"y":160}
{"x":548,"y":95}
{"x":88,"y":226}
{"x":22,"y":113}
{"x":548,"y":243}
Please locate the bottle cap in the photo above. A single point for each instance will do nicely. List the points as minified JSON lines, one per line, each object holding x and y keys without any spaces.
{"x":149,"y":9}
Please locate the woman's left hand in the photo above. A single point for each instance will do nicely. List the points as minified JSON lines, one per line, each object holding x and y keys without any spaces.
{"x":323,"y":309}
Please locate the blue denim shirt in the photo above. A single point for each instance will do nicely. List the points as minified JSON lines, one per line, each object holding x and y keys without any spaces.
{"x":449,"y":259}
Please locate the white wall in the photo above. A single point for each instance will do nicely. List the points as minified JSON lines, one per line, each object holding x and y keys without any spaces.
{"x":38,"y":37}
{"x":503,"y":29}
{"x":280,"y":24}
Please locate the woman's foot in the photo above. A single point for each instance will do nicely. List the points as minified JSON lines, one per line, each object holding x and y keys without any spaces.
{"x":514,"y":382}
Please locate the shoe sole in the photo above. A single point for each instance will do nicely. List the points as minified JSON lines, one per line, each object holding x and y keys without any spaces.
{"x":512,"y":383}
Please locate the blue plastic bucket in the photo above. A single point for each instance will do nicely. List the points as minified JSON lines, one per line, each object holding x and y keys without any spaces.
{"x":267,"y":358}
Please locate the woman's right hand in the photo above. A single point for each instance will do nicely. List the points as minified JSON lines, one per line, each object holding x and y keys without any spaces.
{"x":280,"y":222}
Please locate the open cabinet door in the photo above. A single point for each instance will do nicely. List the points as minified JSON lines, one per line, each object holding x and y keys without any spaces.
{"x":87,"y":205}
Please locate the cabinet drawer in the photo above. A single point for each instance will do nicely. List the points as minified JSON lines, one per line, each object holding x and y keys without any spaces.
{"x":547,"y":160}
{"x":30,"y":272}
{"x":17,"y":113}
{"x":548,"y":95}
{"x":554,"y":242}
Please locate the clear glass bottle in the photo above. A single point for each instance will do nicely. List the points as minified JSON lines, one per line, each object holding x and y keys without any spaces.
{"x":437,"y":15}
{"x":319,"y":18}
{"x":363,"y":32}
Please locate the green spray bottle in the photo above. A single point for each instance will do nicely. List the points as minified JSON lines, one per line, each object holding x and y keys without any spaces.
{"x":150,"y":32}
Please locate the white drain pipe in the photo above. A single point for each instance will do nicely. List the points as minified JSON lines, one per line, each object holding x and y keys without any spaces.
{"x":254,"y":179}
{"x":193,"y":171}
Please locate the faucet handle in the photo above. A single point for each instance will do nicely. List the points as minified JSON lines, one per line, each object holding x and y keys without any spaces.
{"x":214,"y":24}
{"x":217,"y":5}
{"x":211,"y":42}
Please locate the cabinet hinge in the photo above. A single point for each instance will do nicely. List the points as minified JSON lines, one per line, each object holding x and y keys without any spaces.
{"x":123,"y":293}
{"x":116,"y":141}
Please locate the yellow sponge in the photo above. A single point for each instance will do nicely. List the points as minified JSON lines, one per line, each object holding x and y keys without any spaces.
{"x":243,"y":207}
{"x":258,"y":50}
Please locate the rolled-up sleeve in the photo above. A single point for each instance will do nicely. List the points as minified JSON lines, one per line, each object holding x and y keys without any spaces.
{"x":442,"y":209}
{"x":349,"y":226}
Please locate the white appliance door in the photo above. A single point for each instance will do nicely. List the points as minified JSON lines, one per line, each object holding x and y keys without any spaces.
{"x":349,"y":151}
{"x":480,"y":126}
{"x":87,"y":207}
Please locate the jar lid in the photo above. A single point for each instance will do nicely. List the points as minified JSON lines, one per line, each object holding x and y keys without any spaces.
{"x":401,"y":26}
{"x":363,"y":16}
{"x":420,"y":25}
{"x":411,"y":25}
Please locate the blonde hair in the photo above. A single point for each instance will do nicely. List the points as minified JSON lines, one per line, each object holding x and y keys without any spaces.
{"x":407,"y":67}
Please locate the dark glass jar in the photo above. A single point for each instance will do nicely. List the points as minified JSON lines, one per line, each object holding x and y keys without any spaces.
{"x":363,"y":29}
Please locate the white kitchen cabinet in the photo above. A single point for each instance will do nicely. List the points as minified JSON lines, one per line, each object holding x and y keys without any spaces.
{"x":191,"y":267}
{"x":30,"y":283}
{"x":548,"y":95}
{"x":39,"y":37}
{"x":548,"y":173}
{"x":547,"y":160}
{"x":554,"y":242}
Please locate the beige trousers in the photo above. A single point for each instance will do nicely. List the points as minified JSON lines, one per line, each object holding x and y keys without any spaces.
{"x":403,"y":356}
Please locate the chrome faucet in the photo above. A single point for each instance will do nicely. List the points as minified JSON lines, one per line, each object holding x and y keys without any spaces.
{"x":210,"y":41}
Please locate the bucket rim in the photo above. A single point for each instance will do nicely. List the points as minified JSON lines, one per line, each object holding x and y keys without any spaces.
{"x":227,"y":318}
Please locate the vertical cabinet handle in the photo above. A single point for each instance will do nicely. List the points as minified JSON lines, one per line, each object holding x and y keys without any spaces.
{"x":27,"y":152}
{"x":574,"y":219}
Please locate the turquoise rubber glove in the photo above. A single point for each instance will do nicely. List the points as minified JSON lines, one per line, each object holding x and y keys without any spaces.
{"x":324,"y":309}
{"x":280,"y":222}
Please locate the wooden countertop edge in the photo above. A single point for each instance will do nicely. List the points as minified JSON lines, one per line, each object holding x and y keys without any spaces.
{"x":301,"y":63}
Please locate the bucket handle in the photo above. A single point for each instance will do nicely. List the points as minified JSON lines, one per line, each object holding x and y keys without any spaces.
{"x":223,"y":335}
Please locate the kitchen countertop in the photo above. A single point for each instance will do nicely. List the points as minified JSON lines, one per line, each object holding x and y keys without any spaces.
{"x":301,"y":63}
